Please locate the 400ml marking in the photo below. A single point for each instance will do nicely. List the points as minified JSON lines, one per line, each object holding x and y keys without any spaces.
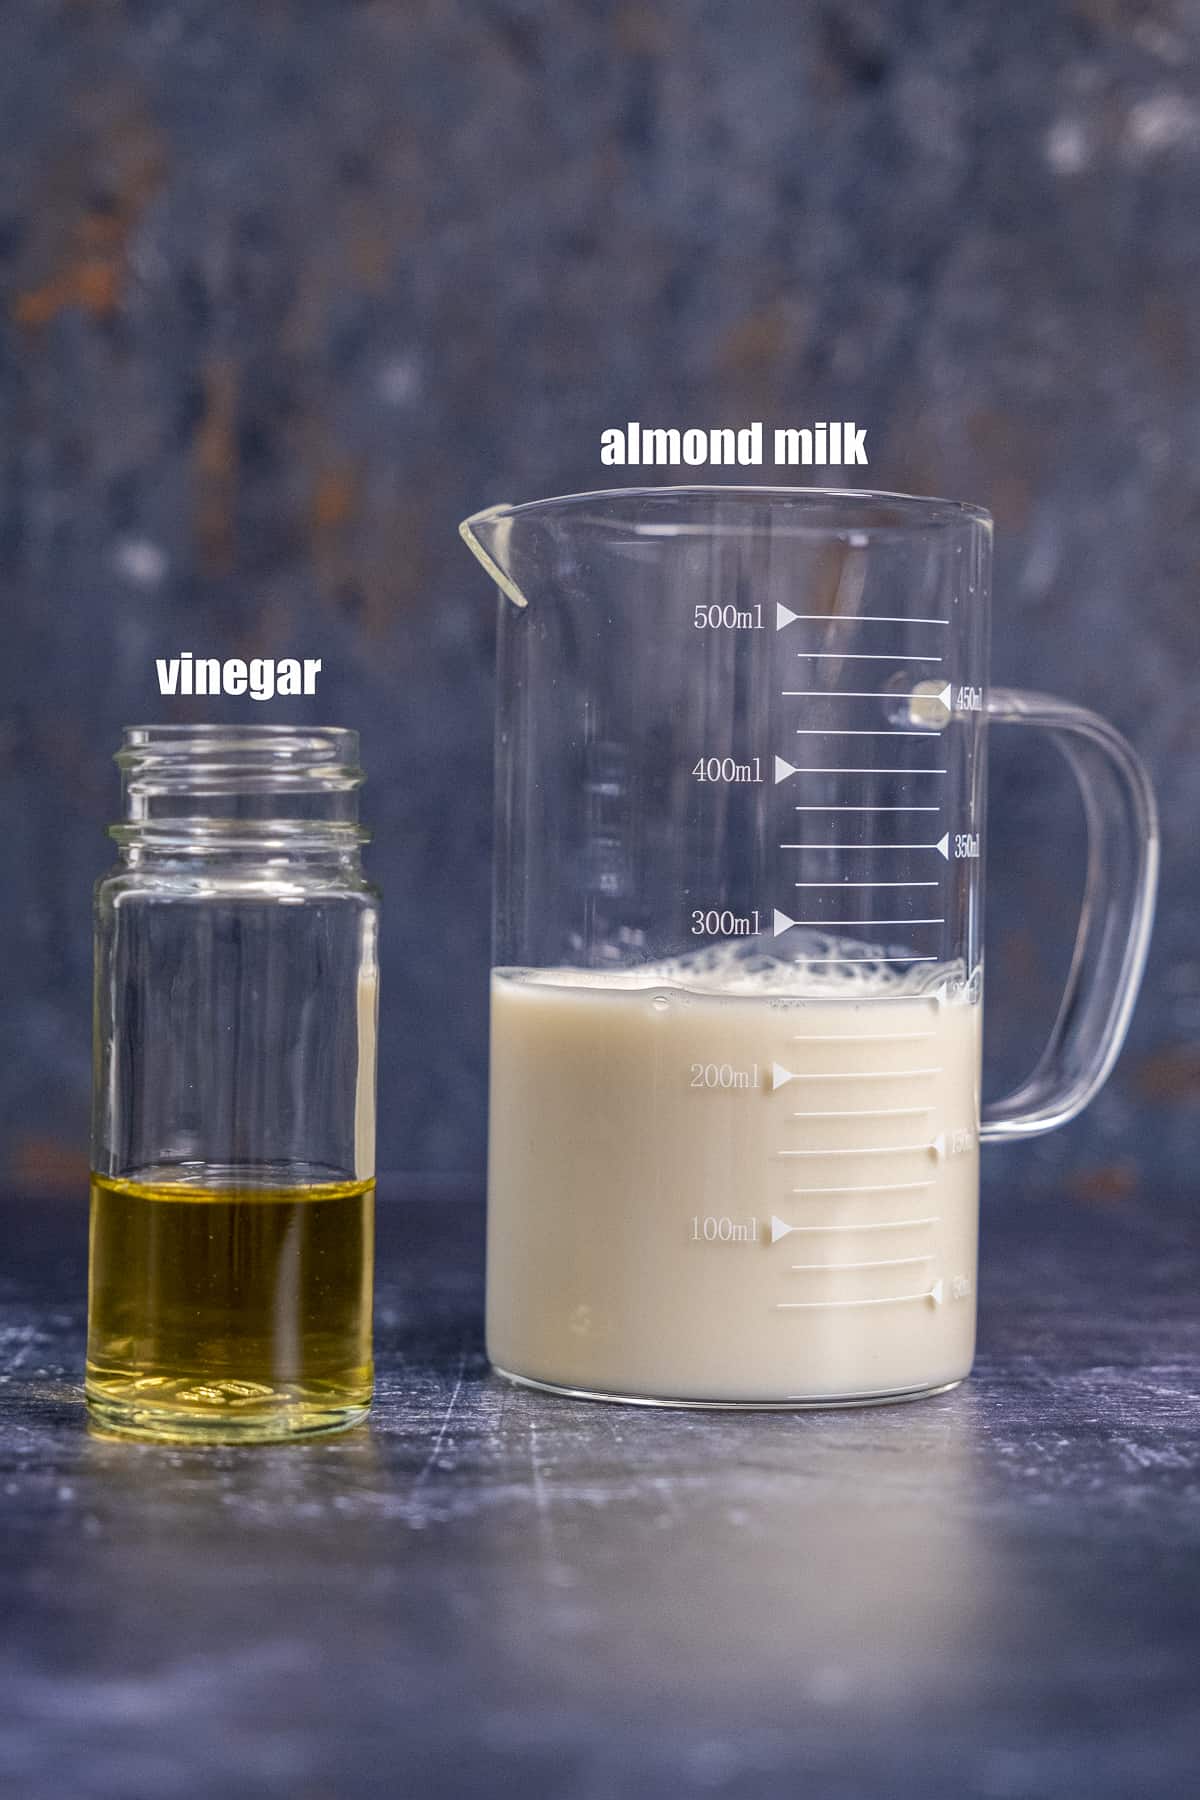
{"x":728,"y":769}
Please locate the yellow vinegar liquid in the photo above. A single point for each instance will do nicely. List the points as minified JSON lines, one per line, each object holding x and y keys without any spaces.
{"x":229,"y":1312}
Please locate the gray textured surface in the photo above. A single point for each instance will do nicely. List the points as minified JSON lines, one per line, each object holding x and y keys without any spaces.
{"x":991,"y":1593}
{"x":285,"y":290}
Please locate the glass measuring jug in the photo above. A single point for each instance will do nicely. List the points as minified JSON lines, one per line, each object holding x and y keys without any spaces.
{"x":736,"y":1002}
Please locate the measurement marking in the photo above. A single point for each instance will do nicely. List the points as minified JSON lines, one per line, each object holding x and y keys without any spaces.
{"x":861,"y":884}
{"x":779,"y":1228}
{"x":867,"y":847}
{"x":867,"y":618}
{"x":781,"y":1076}
{"x":812,"y":961}
{"x":934,"y":1293}
{"x":784,"y":769}
{"x":823,"y":922}
{"x":866,"y":809}
{"x":886,"y":1262}
{"x":829,"y":769}
{"x":893,"y":731}
{"x":856,"y":999}
{"x":873,"y":1225}
{"x":862,"y":656}
{"x":944,"y":696}
{"x":870,"y":1187}
{"x":864,"y":884}
{"x":870,"y":1112}
{"x":853,"y":1150}
{"x":866,"y":1037}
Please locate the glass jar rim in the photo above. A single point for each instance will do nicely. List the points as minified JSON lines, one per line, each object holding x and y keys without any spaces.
{"x":326,"y":742}
{"x":220,"y":782}
{"x":215,"y":758}
{"x":909,"y":512}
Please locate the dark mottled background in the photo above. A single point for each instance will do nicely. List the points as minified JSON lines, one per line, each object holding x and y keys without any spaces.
{"x":286,"y":289}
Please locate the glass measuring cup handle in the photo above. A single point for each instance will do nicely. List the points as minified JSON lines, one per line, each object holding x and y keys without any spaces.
{"x":1114,"y":921}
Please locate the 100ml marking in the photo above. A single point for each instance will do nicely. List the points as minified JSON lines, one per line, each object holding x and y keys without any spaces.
{"x":720,"y":1229}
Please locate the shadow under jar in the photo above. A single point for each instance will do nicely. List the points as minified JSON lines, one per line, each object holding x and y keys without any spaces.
{"x":233,"y":1134}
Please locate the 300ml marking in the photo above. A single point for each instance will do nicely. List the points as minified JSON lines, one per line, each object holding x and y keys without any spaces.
{"x":711,"y":922}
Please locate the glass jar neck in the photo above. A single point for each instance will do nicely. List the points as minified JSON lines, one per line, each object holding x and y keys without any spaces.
{"x":239,"y":791}
{"x":158,"y":846}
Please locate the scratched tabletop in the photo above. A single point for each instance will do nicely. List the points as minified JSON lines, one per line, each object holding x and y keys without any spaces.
{"x":490,"y":1592}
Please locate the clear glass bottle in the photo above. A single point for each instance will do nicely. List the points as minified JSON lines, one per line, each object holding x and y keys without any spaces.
{"x":233,"y":1135}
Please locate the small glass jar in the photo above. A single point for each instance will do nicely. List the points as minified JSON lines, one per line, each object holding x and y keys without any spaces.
{"x":233,"y":1134}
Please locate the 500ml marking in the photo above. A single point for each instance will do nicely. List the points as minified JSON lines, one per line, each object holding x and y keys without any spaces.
{"x":727,"y":768}
{"x":720,"y":1229}
{"x":723,"y":1075}
{"x":727,"y":618}
{"x":712,"y":923}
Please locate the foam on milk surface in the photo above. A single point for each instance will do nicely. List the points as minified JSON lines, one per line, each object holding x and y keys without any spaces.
{"x":826,"y":965}
{"x":730,"y":1177}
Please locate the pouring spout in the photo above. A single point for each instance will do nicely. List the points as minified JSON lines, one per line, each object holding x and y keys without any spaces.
{"x":488,"y":536}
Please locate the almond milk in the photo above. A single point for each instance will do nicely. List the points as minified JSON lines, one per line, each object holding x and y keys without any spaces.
{"x":732,"y":1183}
